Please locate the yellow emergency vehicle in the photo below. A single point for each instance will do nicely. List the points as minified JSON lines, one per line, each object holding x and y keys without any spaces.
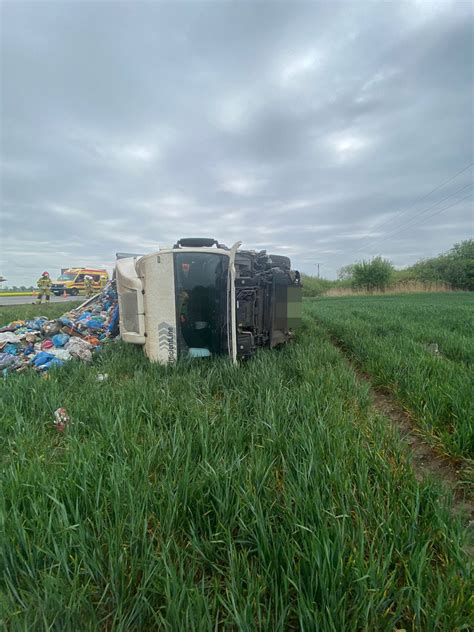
{"x":71,"y":280}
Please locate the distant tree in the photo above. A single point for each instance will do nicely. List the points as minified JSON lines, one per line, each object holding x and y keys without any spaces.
{"x":404,"y":275}
{"x":15,"y":288}
{"x":23,"y":288}
{"x":346,"y":272}
{"x":315,"y":286}
{"x":372,"y":275}
{"x":460,"y":265}
{"x":455,"y":267}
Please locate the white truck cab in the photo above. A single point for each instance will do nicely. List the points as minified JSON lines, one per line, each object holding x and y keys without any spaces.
{"x":200,"y":299}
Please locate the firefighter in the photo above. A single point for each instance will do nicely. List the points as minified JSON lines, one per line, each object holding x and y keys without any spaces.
{"x":44,"y":284}
{"x":89,"y":288}
{"x":102,"y":282}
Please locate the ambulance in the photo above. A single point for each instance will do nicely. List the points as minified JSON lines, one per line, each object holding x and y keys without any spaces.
{"x":71,"y":280}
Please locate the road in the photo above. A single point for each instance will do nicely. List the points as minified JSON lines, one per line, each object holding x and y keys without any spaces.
{"x":21,"y":300}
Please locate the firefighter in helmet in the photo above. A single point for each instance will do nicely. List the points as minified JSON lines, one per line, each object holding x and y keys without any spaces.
{"x":89,"y":288}
{"x":44,"y":284}
{"x":102,"y":282}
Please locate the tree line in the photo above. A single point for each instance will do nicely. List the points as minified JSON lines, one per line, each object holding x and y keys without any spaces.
{"x":454,"y":268}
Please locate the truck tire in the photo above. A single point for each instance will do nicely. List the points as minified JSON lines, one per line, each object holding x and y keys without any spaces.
{"x":74,"y":291}
{"x":280,"y":261}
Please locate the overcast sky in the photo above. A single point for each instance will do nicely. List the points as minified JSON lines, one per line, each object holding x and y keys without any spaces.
{"x":310,"y":129}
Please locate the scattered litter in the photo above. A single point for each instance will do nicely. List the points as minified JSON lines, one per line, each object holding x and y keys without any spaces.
{"x":101,"y":377}
{"x":44,"y":360}
{"x":8,"y":361}
{"x":59,"y":340}
{"x":41,"y":344}
{"x":51,"y":327}
{"x":35,"y":324}
{"x":61,"y":354}
{"x":10,"y":348}
{"x":434,"y":348}
{"x":95,"y":342}
{"x":8,"y":336}
{"x":79,"y":348}
{"x":11,"y":326}
{"x":61,"y":418}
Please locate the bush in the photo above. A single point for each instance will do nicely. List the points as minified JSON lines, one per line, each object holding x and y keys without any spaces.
{"x":314,"y":286}
{"x":372,"y":275}
{"x":455,"y":267}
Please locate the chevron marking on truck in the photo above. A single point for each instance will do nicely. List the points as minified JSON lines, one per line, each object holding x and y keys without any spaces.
{"x":167,"y":339}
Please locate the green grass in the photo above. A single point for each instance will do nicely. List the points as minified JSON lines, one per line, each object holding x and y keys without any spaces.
{"x":204,"y":496}
{"x":9,"y":313}
{"x":391,"y":338}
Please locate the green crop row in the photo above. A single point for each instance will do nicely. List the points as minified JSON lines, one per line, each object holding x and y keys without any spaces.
{"x":419,"y":347}
{"x":203,"y":496}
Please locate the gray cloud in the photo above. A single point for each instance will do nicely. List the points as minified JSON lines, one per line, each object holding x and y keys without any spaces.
{"x":305,"y":128}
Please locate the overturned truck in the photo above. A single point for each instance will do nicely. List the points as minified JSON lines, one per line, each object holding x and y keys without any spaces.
{"x":200,"y":299}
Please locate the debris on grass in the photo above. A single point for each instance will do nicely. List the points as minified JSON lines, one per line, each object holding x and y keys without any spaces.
{"x":61,"y":419}
{"x":40,"y":343}
{"x":433,"y":348}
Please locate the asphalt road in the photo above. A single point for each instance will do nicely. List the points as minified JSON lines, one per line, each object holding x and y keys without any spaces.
{"x":21,"y":300}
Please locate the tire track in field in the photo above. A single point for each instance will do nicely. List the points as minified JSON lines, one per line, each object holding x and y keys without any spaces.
{"x":426,"y":459}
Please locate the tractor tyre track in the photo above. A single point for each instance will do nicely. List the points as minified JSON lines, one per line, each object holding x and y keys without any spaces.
{"x":426,"y":459}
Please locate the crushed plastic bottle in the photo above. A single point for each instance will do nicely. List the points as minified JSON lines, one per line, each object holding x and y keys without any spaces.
{"x":61,"y":419}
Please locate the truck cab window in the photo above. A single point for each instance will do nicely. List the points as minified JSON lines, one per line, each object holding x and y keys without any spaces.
{"x":201,"y":295}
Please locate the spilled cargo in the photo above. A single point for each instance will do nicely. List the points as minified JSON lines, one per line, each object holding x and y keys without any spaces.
{"x":41,"y":344}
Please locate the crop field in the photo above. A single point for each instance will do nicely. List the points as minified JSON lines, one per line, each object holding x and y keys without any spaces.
{"x":272,"y":496}
{"x":420,"y":348}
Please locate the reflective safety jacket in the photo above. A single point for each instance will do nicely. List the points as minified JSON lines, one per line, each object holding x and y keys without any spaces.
{"x":44,"y":283}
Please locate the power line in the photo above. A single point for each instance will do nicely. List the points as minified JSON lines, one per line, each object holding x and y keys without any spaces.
{"x":423,"y":197}
{"x":372,"y":241}
{"x":410,"y":221}
{"x":445,"y":208}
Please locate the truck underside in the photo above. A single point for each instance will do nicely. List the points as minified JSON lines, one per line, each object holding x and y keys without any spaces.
{"x":268,"y":301}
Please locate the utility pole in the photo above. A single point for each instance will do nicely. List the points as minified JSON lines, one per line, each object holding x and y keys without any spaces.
{"x":318,"y":264}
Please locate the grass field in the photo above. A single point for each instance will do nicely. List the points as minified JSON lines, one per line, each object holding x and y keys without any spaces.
{"x":26,"y":311}
{"x":266,"y":497}
{"x":421,"y":348}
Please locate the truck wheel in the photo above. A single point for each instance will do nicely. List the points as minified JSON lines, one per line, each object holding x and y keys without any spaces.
{"x":74,"y":291}
{"x":281,"y":262}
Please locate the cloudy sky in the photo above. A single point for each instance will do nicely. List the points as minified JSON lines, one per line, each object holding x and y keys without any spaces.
{"x":327,"y":131}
